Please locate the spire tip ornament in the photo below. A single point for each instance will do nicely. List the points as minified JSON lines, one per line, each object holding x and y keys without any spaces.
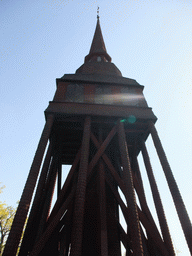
{"x":98,"y":12}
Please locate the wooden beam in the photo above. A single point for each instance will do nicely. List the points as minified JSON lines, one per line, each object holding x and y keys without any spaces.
{"x":64,"y":188}
{"x":178,"y":201}
{"x":51,"y":227}
{"x":131,"y":200}
{"x":24,"y":203}
{"x":157,"y":201}
{"x":77,"y":232}
{"x":33,"y":220}
{"x":101,"y":148}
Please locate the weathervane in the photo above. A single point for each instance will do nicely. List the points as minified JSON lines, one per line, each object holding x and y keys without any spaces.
{"x":97,"y":12}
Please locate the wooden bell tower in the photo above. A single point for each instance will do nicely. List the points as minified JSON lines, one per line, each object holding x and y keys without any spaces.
{"x":97,"y":123}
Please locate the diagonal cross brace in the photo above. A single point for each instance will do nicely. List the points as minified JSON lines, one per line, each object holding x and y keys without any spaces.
{"x":101,"y":148}
{"x":108,"y":163}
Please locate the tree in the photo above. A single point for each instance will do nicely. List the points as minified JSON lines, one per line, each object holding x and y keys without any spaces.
{"x":7,"y":214}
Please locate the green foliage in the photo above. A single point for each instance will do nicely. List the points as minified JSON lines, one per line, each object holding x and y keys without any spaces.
{"x":7,"y":214}
{"x":1,"y":189}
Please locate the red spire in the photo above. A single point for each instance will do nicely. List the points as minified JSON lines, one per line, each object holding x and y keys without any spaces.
{"x":98,"y":60}
{"x":98,"y":46}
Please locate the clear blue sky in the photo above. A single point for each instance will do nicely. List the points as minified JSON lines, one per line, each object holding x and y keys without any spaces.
{"x":149,"y":41}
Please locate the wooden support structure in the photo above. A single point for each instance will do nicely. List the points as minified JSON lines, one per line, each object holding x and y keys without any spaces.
{"x":179,"y":204}
{"x":22,"y":210}
{"x":97,"y":123}
{"x":79,"y":204}
{"x":157,"y":201}
{"x":131,"y":200}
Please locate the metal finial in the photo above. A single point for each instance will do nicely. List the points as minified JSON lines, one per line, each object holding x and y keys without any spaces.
{"x":97,"y":12}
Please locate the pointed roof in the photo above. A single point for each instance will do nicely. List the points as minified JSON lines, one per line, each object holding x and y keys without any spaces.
{"x":98,"y":60}
{"x":98,"y":46}
{"x":97,"y":67}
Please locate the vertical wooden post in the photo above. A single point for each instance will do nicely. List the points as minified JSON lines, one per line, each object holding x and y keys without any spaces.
{"x":22,"y":210}
{"x":178,"y":201}
{"x":31,"y":228}
{"x":65,"y":187}
{"x":59,"y":178}
{"x":142,"y":198}
{"x":49,"y":191}
{"x":157,"y":201}
{"x":50,"y":228}
{"x":77,"y":232}
{"x":133,"y":216}
{"x":102,"y":203}
{"x":65,"y":235}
